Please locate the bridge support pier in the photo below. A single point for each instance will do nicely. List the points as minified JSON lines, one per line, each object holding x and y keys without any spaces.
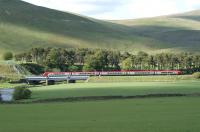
{"x":47,"y":82}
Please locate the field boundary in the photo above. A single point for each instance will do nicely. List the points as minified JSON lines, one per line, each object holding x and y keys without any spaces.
{"x":100,"y":98}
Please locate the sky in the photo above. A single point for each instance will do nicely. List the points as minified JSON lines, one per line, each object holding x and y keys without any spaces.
{"x":120,"y":9}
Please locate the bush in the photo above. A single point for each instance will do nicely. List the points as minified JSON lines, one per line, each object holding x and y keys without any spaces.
{"x":56,"y":70}
{"x":21,"y":93}
{"x":73,"y":68}
{"x":88,"y":68}
{"x":8,"y":56}
{"x":48,"y":69}
{"x":36,"y":69}
{"x":196,"y":75}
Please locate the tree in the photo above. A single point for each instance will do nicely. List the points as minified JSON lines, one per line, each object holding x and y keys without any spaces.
{"x":160,"y":61}
{"x":167,"y":61}
{"x":55,"y":59}
{"x":151,"y":62}
{"x":8,"y":56}
{"x":196,"y":61}
{"x":142,"y":59}
{"x":175,"y":62}
{"x":101,"y":57}
{"x":114,"y":59}
{"x":125,"y":55}
{"x":127,"y":64}
{"x":69,"y":56}
{"x":98,"y":61}
{"x":80,"y":55}
{"x":188,"y":61}
{"x":92,"y":63}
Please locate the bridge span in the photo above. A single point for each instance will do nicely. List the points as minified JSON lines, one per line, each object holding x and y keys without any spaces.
{"x":52,"y":80}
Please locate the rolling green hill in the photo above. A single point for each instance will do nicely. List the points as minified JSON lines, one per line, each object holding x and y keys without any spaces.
{"x":24,"y":26}
{"x":181,"y":31}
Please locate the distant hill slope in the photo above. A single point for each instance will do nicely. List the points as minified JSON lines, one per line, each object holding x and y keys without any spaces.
{"x":181,"y":31}
{"x":24,"y":26}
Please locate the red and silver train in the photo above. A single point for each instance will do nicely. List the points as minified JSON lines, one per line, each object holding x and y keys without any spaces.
{"x":115,"y":73}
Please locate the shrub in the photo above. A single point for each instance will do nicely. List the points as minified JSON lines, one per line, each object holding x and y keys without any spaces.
{"x":48,"y":69}
{"x":36,"y":69}
{"x":88,"y":68}
{"x":73,"y":68}
{"x":8,"y":56}
{"x":56,"y":70}
{"x":196,"y":75}
{"x":21,"y":93}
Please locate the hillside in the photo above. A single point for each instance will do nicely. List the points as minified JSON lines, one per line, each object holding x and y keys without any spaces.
{"x":24,"y":26}
{"x":12,"y":70}
{"x":181,"y":31}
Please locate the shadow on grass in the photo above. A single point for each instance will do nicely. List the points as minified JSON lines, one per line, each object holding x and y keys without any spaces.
{"x":99,"y":98}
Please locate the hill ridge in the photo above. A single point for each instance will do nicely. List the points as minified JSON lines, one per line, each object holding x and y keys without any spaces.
{"x":24,"y":26}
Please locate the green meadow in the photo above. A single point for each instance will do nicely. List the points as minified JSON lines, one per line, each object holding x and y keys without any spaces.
{"x":114,"y":89}
{"x":141,"y":115}
{"x":153,"y":114}
{"x":113,"y":79}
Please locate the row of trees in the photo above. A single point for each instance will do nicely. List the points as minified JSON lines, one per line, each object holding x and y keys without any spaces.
{"x":99,"y":59}
{"x":162,"y":61}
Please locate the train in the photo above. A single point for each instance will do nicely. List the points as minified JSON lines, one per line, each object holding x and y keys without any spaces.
{"x":114,"y":73}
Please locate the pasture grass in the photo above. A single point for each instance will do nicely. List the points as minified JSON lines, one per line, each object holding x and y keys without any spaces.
{"x":134,"y":115}
{"x":7,"y":74}
{"x":166,"y":78}
{"x":9,"y":85}
{"x":114,"y":89}
{"x":166,"y":114}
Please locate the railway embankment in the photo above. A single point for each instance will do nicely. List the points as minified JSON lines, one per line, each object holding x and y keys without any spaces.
{"x":166,"y":78}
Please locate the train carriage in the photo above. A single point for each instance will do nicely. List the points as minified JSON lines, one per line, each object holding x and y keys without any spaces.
{"x":115,"y":73}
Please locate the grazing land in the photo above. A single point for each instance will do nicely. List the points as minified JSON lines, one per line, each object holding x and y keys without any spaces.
{"x":151,"y":115}
{"x":114,"y":89}
{"x":155,"y":114}
{"x":168,"y":78}
{"x":8,"y":85}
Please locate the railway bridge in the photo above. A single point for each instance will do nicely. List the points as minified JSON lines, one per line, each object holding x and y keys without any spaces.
{"x":51,"y":80}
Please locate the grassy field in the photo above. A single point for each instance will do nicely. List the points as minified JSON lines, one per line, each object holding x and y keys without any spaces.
{"x":139,"y":115}
{"x":114,"y":89}
{"x":169,"y":78}
{"x":156,"y":114}
{"x":8,"y":85}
